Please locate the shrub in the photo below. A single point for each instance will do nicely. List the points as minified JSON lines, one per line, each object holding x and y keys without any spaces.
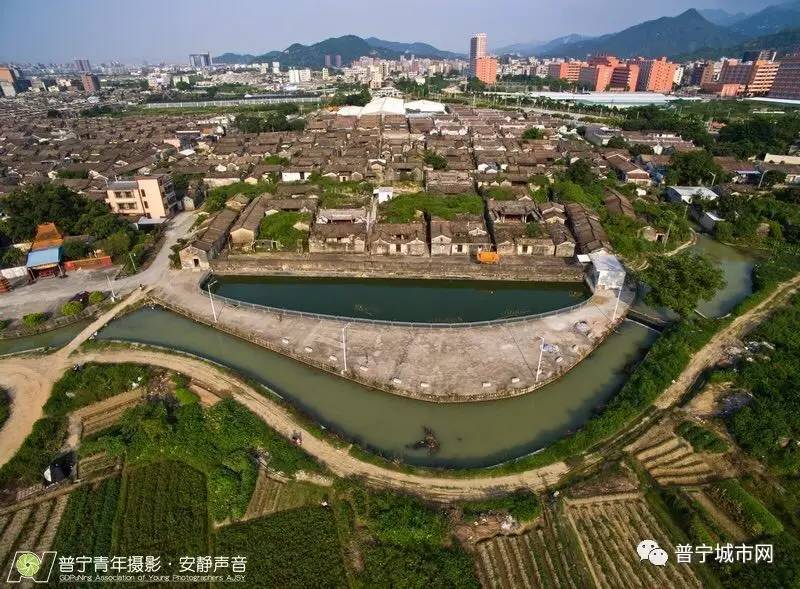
{"x":96,"y":297}
{"x":746,"y":509}
{"x":522,"y":505}
{"x":701,"y":439}
{"x":34,"y":319}
{"x":71,"y":308}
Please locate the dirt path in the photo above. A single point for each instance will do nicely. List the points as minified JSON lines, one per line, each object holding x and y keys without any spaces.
{"x":714,"y":350}
{"x":338,"y":460}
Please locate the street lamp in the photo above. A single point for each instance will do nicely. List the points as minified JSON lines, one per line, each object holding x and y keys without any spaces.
{"x":541,"y":353}
{"x":111,"y":288}
{"x":211,"y":299}
{"x":344,"y":347}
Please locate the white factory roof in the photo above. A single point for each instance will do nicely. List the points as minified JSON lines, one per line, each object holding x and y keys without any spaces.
{"x":425,"y":106}
{"x":392,"y":106}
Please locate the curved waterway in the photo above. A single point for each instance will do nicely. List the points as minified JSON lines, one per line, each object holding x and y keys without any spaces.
{"x":421,"y":301}
{"x":471,"y":434}
{"x":50,"y":339}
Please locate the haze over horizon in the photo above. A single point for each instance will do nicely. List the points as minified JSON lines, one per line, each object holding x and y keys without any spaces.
{"x":105,"y":30}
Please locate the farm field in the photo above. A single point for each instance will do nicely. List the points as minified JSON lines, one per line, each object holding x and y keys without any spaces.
{"x":542,"y":557}
{"x":609,"y":528}
{"x":88,"y":521}
{"x":298,"y":548}
{"x":271,"y":495}
{"x":163,"y":510}
{"x":30,"y":528}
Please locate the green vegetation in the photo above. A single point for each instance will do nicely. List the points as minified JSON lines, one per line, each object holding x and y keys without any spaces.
{"x":404,"y":208}
{"x":275,"y":160}
{"x":360,"y":98}
{"x":94,"y":382}
{"x":691,"y":168}
{"x":524,"y":506}
{"x":533,"y":134}
{"x":680,"y":282}
{"x":217,"y":441}
{"x":291,"y":549}
{"x":96,"y":297}
{"x":746,"y":509}
{"x":652,"y":118}
{"x":162,"y":510}
{"x":217,"y":197}
{"x":769,"y":425}
{"x":37,"y":451}
{"x":280,"y":227}
{"x":72,"y":174}
{"x":5,"y":406}
{"x":71,"y":308}
{"x":434,"y":160}
{"x":701,"y":439}
{"x":758,"y":135}
{"x":267,"y":122}
{"x":34,"y":319}
{"x":88,"y":521}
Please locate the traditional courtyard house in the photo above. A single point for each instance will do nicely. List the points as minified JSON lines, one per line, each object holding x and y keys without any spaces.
{"x":290,"y":205}
{"x":589,"y":233}
{"x":512,"y":211}
{"x":338,"y":237}
{"x":618,"y":204}
{"x":296,"y":173}
{"x":198,"y":254}
{"x":469,"y":235}
{"x":406,"y":239}
{"x":563,"y":241}
{"x":441,"y":238}
{"x":245,"y":231}
{"x":352,"y":215}
{"x":552,"y":212}
{"x":627,"y":171}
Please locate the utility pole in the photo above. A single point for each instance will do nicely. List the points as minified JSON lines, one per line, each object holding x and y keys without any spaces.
{"x":211,"y":299}
{"x":616,"y":306}
{"x":130,"y":255}
{"x":344,"y":348}
{"x":541,"y":353}
{"x":111,"y":288}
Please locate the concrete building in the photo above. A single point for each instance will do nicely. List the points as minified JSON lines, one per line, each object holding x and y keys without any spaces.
{"x":91,"y":83}
{"x":687,"y":194}
{"x":597,"y":78}
{"x":147,"y":196}
{"x":656,"y":75}
{"x":567,"y":70}
{"x":477,"y":49}
{"x":702,"y":74}
{"x":83,"y":66}
{"x":753,"y":78}
{"x":198,"y":254}
{"x":200,"y":60}
{"x":787,"y":79}
{"x":486,"y":70}
{"x":625,"y":77}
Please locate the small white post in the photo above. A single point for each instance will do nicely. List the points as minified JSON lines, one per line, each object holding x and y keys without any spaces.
{"x":344,"y":348}
{"x":211,"y":300}
{"x":541,"y":353}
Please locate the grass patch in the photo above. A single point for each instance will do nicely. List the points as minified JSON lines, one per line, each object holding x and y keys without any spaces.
{"x":38,"y":450}
{"x":748,"y":511}
{"x":521,"y":505}
{"x":701,"y":439}
{"x":404,"y":208}
{"x":94,"y":382}
{"x":280,"y":227}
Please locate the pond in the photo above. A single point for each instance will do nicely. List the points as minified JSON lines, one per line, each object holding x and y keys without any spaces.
{"x":423,"y":301}
{"x":471,"y":434}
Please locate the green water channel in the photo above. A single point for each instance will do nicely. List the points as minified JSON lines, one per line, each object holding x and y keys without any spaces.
{"x":51,"y":339}
{"x":471,"y":435}
{"x":423,"y":301}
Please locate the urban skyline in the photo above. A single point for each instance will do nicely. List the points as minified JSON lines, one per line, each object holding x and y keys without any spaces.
{"x":83,"y":29}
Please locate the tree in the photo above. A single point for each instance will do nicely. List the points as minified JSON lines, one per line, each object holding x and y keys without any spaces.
{"x":617,"y":142}
{"x":638,"y":149}
{"x":773,"y":177}
{"x":580,"y":172}
{"x":116,"y":244}
{"x":434,"y":160}
{"x":680,"y":282}
{"x":695,"y":167}
{"x":533,"y":134}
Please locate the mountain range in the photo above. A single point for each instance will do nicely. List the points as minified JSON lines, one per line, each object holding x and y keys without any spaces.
{"x":707,"y":33}
{"x":350,"y":47}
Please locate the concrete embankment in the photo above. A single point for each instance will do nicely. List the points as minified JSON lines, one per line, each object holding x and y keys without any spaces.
{"x":439,"y":364}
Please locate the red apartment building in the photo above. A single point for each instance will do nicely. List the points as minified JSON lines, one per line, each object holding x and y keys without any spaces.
{"x":486,"y":70}
{"x":787,"y":79}
{"x":568,"y":70}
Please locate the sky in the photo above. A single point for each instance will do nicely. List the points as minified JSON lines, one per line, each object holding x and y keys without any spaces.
{"x":132,"y":31}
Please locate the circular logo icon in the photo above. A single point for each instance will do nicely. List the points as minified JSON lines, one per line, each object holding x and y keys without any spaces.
{"x":28,"y":564}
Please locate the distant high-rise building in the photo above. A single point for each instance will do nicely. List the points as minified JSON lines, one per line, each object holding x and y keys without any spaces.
{"x":702,"y":74}
{"x":276,"y":67}
{"x":486,"y":70}
{"x":753,"y":78}
{"x":10,"y":82}
{"x":656,"y":75}
{"x":787,"y":80}
{"x":567,"y":70}
{"x":200,"y":60}
{"x":91,"y":83}
{"x":83,"y":66}
{"x":477,"y":49}
{"x":337,"y":61}
{"x":328,"y":60}
{"x":762,"y":55}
